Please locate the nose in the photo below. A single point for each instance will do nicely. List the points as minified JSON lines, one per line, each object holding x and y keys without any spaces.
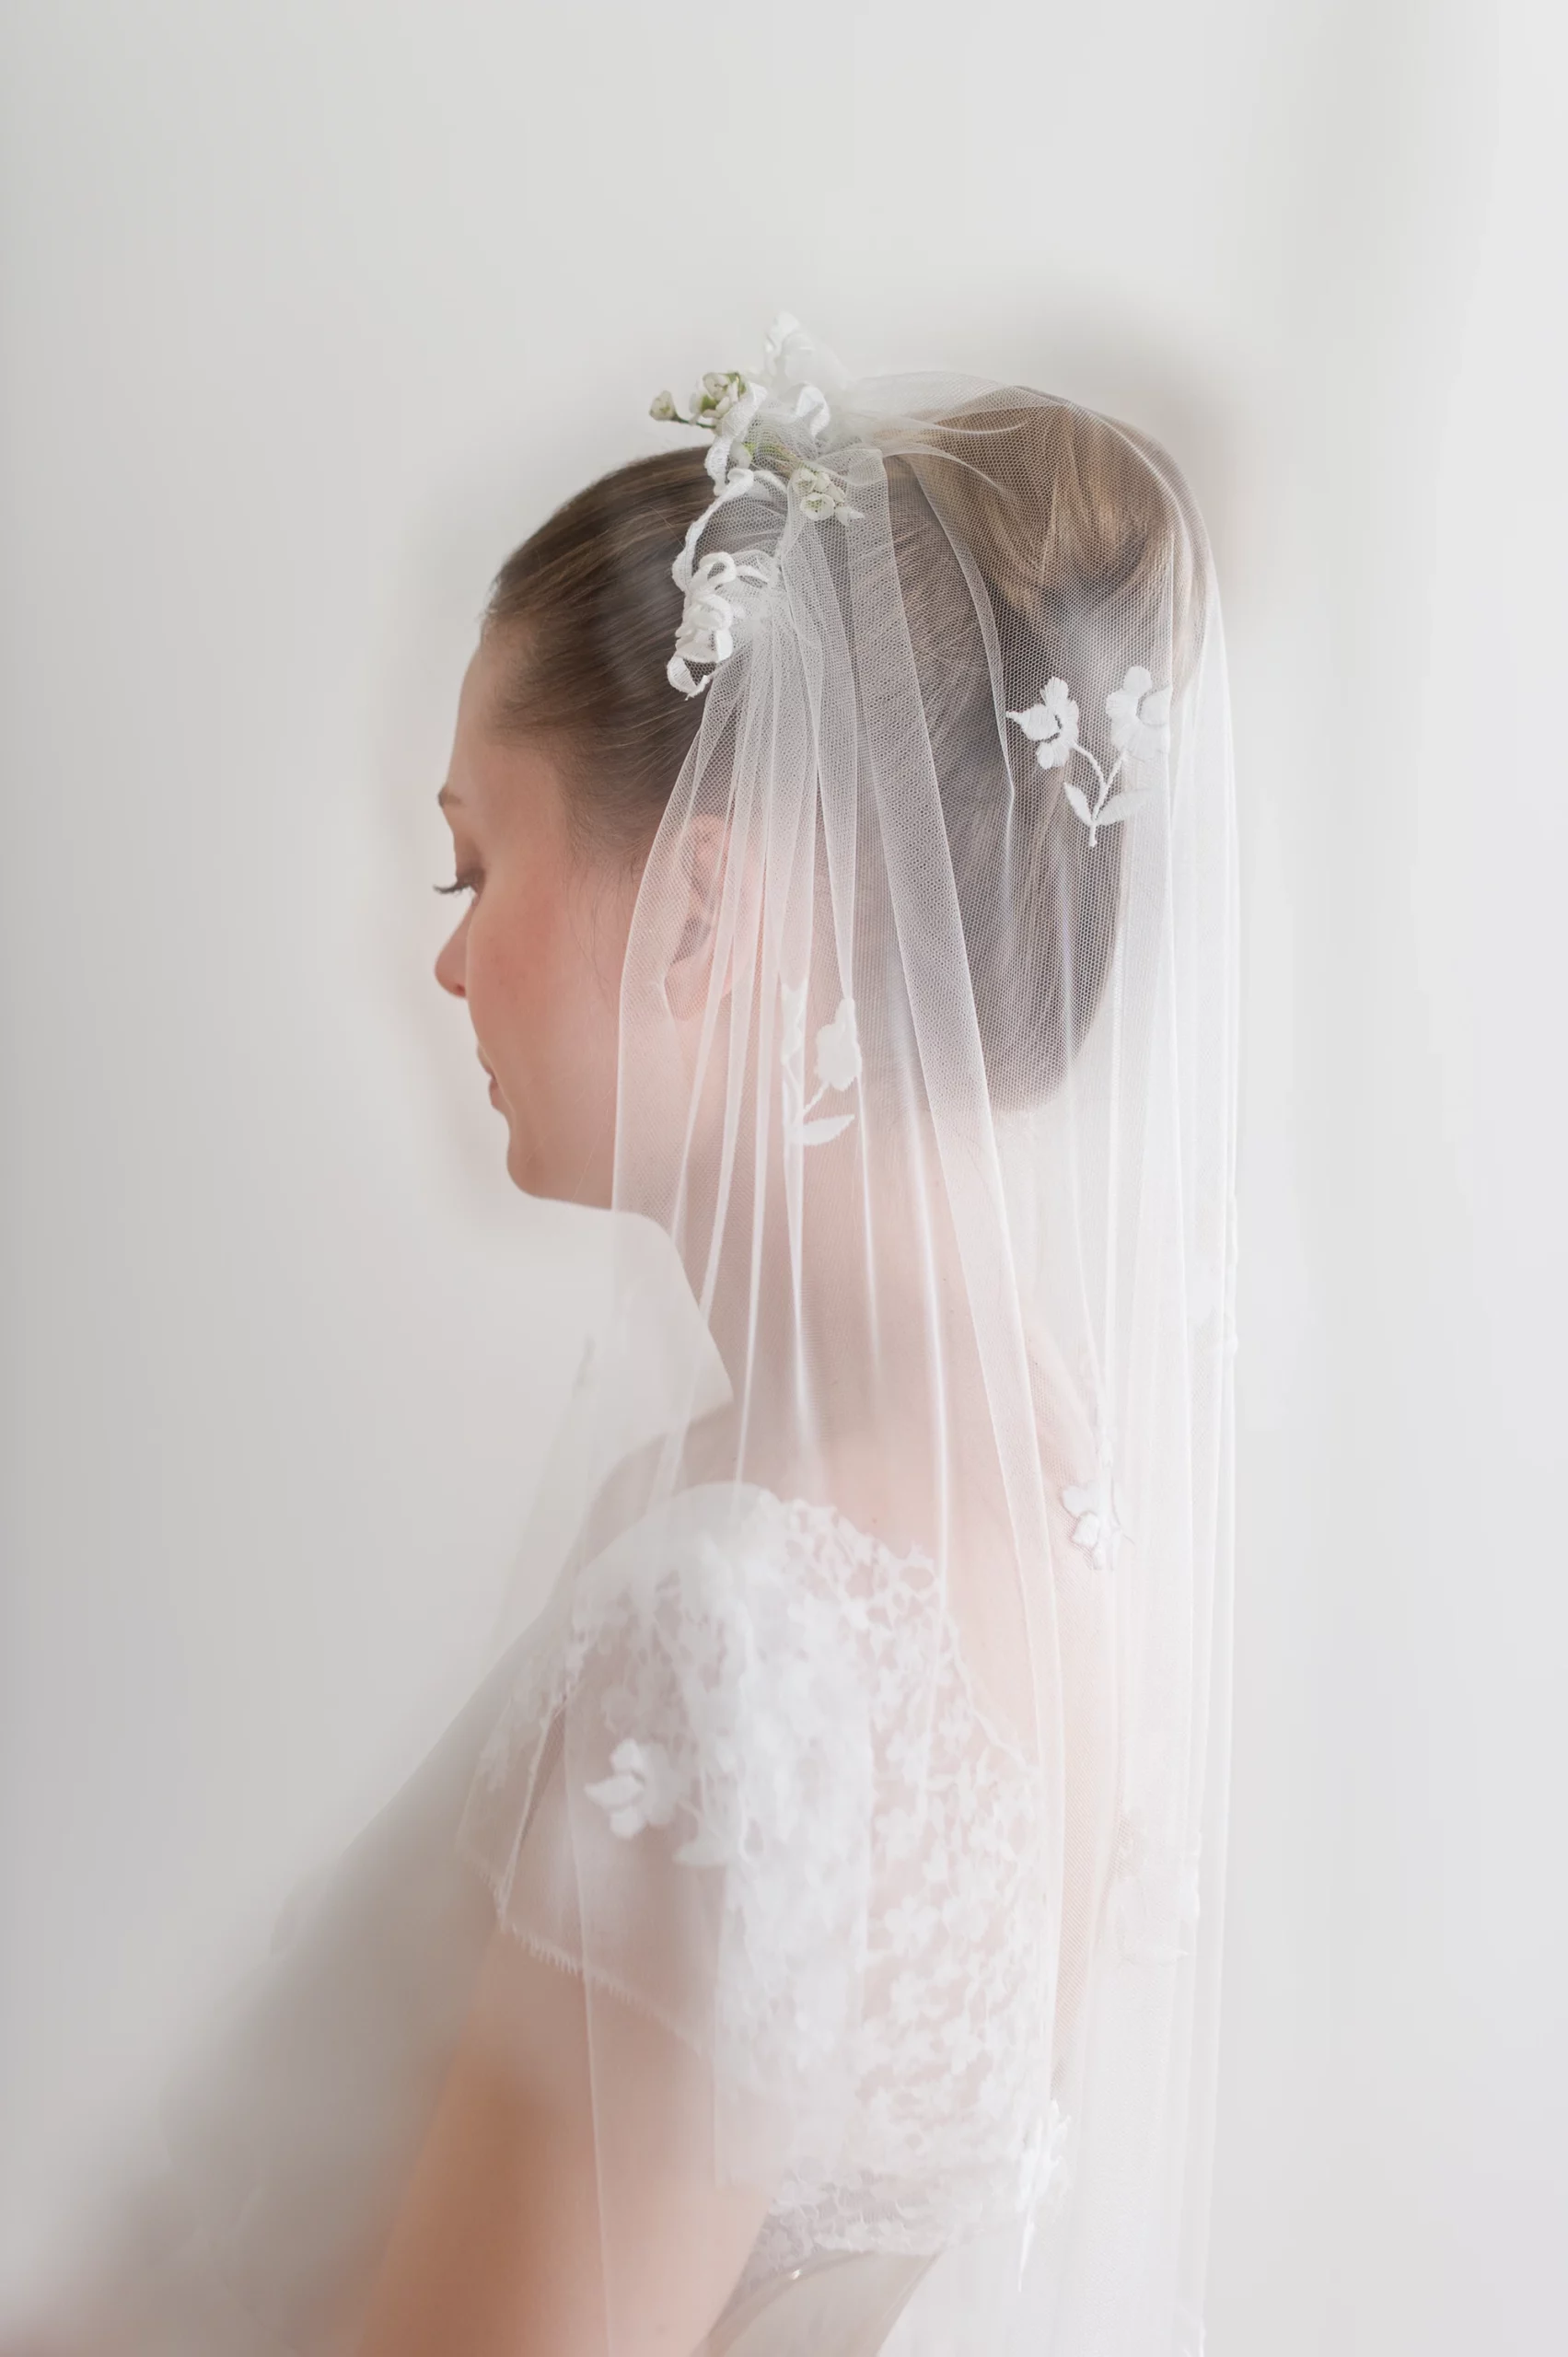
{"x":449,"y":964}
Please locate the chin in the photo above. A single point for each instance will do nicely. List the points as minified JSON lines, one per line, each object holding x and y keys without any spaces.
{"x":548,"y":1180}
{"x":529,"y":1172}
{"x":521,"y":1168}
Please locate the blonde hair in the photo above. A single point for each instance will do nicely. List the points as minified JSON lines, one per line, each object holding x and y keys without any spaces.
{"x":1032,"y":538}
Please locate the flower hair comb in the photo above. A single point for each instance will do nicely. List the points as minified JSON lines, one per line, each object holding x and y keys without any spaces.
{"x":747,"y":417}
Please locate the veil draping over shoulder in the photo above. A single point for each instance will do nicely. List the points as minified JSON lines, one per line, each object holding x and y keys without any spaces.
{"x":871,"y":1747}
{"x":927,"y":1071}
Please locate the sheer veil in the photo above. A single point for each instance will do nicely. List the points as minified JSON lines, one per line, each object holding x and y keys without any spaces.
{"x":927,"y":1074}
{"x":873,"y":1743}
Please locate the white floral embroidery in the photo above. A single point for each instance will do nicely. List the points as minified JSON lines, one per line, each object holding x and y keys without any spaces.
{"x":838,"y":1049}
{"x":838,"y":1067}
{"x":1139,"y":714}
{"x":1098,"y":1528}
{"x":643,"y":1791}
{"x":1051,"y":725}
{"x":750,"y":418}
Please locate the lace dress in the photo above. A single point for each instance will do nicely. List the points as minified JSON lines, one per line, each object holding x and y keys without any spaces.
{"x":780,"y":1703}
{"x":741,"y":1707}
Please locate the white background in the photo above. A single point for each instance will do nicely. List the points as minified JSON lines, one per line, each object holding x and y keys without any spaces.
{"x":310,"y":310}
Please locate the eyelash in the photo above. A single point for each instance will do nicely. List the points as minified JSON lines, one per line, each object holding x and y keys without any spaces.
{"x":463,"y":884}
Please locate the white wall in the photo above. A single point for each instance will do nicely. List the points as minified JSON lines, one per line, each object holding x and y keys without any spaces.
{"x":310,"y":310}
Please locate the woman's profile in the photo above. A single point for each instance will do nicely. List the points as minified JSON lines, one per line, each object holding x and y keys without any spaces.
{"x":806,"y":1936}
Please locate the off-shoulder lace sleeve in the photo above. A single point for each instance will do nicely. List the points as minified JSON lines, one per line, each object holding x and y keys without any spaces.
{"x":676,"y":1800}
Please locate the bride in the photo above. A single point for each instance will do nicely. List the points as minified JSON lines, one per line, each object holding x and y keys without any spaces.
{"x":806,"y":1937}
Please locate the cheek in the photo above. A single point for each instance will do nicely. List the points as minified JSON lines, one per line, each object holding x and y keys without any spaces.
{"x":541,"y":980}
{"x":511,"y":959}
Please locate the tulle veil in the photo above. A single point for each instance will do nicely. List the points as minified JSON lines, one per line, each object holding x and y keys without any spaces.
{"x":873,"y":1740}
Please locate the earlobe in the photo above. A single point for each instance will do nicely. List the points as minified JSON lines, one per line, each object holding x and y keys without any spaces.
{"x":686,"y":984}
{"x":691,"y":979}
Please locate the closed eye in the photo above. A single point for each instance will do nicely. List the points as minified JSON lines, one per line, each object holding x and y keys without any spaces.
{"x":461,"y":884}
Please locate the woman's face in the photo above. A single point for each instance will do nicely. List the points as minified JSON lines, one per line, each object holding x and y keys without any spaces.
{"x":537,"y":952}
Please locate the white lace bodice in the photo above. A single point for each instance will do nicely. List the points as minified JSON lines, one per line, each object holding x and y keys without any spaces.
{"x":784,"y":1700}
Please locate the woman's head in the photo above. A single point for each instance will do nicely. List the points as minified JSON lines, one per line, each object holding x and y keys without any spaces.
{"x":568,"y":739}
{"x":1030,"y":539}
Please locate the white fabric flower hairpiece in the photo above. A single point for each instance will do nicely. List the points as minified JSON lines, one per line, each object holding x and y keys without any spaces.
{"x":739,"y":411}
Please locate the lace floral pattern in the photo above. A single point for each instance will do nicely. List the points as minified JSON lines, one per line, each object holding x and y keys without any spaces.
{"x":788,"y":1703}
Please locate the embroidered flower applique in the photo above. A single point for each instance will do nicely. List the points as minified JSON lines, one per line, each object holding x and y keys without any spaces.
{"x":644,"y":1789}
{"x":751,"y":419}
{"x":1140,"y":716}
{"x":1139,"y":713}
{"x":1099,"y":1528}
{"x":1051,"y":725}
{"x":838,"y":1067}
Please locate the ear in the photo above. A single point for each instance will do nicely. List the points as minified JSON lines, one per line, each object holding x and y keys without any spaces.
{"x":704,"y":853}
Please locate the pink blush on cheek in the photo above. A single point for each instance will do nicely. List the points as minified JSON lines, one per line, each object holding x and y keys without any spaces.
{"x":545,"y":1018}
